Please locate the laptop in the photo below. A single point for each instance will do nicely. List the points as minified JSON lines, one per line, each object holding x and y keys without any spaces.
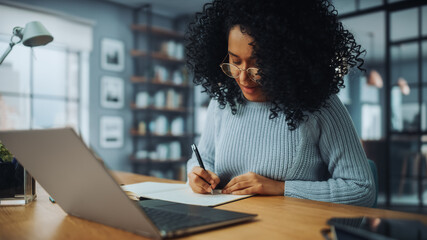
{"x":81,"y":185}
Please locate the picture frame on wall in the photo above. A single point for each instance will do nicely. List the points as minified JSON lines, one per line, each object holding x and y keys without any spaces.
{"x":111,"y":132}
{"x":112,"y":55}
{"x":112,"y":92}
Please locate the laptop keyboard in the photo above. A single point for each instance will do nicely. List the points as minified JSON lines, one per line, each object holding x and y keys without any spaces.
{"x":169,"y":220}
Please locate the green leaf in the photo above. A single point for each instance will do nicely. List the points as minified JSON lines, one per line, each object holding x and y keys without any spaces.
{"x":5,"y":155}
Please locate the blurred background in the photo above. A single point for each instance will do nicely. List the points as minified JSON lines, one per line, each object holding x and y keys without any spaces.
{"x":115,"y":72}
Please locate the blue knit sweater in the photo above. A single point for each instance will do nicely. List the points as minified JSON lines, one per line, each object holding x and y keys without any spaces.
{"x":321,"y":160}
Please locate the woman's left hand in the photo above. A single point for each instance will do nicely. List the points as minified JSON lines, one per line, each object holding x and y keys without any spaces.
{"x":252,"y":183}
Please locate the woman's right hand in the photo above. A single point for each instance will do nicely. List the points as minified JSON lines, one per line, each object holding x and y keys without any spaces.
{"x":198,"y":179}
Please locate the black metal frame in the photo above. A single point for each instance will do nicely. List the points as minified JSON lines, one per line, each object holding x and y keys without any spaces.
{"x":388,"y":8}
{"x":142,"y":69}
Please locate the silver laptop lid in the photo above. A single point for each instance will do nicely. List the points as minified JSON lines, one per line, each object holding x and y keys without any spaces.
{"x":60,"y":161}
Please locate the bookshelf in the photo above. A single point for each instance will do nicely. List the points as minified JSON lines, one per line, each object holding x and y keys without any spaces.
{"x":162,"y":105}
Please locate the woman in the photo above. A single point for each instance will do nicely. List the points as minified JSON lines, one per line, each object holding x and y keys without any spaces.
{"x":275,"y":125}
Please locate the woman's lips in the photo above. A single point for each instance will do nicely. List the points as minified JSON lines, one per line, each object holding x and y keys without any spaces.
{"x":249,"y":90}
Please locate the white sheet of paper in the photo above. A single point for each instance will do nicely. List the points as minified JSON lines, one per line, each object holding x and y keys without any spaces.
{"x":180,"y":193}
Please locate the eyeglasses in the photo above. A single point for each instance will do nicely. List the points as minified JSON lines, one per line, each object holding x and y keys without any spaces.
{"x":234,"y":71}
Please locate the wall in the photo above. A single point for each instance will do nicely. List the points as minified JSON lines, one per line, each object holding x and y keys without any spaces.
{"x":111,"y":21}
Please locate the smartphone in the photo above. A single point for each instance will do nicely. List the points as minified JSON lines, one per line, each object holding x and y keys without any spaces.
{"x":372,"y":228}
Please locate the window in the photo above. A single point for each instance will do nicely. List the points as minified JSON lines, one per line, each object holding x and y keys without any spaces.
{"x":39,"y":88}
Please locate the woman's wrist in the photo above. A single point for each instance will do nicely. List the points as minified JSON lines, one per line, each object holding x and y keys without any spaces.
{"x":280,"y":188}
{"x":284,"y":186}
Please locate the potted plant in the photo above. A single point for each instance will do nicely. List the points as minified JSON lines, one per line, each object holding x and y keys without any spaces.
{"x":7,"y":173}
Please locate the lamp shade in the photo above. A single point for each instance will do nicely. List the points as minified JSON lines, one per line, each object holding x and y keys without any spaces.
{"x":35,"y":34}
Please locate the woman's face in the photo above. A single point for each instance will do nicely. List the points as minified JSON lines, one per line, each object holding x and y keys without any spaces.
{"x":240,"y":54}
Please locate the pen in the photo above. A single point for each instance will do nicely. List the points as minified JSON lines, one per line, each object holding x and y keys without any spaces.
{"x":199,"y":159}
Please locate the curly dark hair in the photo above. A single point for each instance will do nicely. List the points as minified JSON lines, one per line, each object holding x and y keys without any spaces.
{"x":301,"y":49}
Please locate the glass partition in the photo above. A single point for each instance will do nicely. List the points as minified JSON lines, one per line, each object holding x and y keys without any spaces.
{"x":404,"y":24}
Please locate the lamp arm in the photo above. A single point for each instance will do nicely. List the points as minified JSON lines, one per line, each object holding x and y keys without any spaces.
{"x":9,"y":48}
{"x":17,"y":32}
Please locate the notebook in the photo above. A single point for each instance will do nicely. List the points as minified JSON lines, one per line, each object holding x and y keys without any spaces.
{"x":83,"y":187}
{"x":180,"y":193}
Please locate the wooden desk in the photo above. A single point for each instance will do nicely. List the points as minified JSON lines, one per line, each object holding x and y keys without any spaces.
{"x":278,"y":218}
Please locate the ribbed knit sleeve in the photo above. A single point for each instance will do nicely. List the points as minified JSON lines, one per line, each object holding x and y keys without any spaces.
{"x":351,"y":180}
{"x":206,"y":145}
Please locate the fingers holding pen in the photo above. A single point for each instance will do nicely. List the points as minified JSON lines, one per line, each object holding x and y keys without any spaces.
{"x":202,"y":181}
{"x":197,"y":184}
{"x":201,"y":186}
{"x":207,"y":175}
{"x":214,"y":179}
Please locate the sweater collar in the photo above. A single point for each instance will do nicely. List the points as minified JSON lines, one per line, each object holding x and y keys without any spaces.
{"x":252,"y":104}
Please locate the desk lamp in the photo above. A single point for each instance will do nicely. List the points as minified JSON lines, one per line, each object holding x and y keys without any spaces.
{"x":34,"y":34}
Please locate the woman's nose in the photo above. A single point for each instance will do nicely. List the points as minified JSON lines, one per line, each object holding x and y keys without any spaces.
{"x":243,"y":77}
